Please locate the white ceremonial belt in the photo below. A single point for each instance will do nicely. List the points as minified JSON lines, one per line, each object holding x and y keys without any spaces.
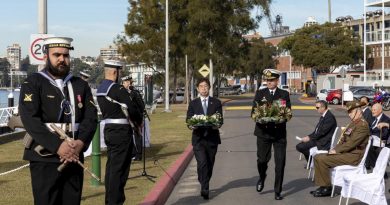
{"x":116,"y":121}
{"x":67,"y":127}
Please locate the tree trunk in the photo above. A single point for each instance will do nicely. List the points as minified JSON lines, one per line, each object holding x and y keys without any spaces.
{"x":251,"y":83}
{"x":187,"y":87}
{"x":174,"y":81}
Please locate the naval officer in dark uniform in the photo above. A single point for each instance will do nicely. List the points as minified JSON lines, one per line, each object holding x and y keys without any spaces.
{"x":121,"y":120}
{"x":271,"y":134}
{"x":53,"y":95}
{"x":136,"y":98}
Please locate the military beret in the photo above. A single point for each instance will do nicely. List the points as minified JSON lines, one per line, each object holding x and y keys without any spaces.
{"x":113,"y":64}
{"x":62,"y":42}
{"x":353,"y":104}
{"x":269,"y":74}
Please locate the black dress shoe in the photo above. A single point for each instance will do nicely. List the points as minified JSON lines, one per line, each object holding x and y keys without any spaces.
{"x":325,"y":191}
{"x":260,"y":185}
{"x":205,"y":194}
{"x":278,"y":196}
{"x":317,"y":190}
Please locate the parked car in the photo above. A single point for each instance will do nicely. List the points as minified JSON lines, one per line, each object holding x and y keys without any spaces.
{"x":368,"y":92}
{"x":230,"y":90}
{"x":322,"y":94}
{"x":285,"y":87}
{"x":334,"y":96}
{"x":263,"y":85}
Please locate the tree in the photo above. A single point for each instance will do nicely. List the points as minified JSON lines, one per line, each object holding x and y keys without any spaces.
{"x":260,"y":56}
{"x":26,"y":66}
{"x":4,"y":69}
{"x":143,"y":39}
{"x":322,"y":47}
{"x":78,"y":65}
{"x":202,"y":30}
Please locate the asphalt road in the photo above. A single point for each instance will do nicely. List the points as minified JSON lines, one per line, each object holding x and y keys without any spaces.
{"x":235,"y":172}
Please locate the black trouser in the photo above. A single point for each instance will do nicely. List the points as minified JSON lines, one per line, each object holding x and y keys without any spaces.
{"x":119,"y":149}
{"x":51,"y":187}
{"x":205,"y":152}
{"x":304,"y":148}
{"x":264,"y":155}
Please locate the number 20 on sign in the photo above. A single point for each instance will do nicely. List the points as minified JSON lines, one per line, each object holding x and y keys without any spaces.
{"x":35,"y":49}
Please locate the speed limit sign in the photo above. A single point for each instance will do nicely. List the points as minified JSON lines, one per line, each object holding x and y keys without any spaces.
{"x":35,"y":49}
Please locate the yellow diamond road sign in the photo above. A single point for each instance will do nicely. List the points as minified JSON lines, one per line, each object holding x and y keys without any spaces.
{"x":204,"y":70}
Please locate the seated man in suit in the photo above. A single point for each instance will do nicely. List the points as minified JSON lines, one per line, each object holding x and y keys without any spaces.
{"x":367,"y":114}
{"x":205,"y":140}
{"x":322,"y":134}
{"x":379,"y":134}
{"x":349,"y":150}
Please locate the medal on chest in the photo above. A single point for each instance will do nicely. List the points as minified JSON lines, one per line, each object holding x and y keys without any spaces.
{"x":79,"y":102}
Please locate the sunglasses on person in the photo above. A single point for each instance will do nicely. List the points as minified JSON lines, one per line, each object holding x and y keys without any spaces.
{"x":317,"y":107}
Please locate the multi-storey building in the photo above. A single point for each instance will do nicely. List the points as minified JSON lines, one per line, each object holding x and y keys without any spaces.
{"x":110,"y":53}
{"x":376,"y":40}
{"x":14,"y":54}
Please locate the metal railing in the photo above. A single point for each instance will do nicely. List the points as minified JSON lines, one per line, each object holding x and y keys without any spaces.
{"x":5,"y":114}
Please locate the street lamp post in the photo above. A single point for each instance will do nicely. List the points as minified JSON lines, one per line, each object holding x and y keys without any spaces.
{"x":11,"y":94}
{"x":290,"y":76}
{"x":166,"y":58}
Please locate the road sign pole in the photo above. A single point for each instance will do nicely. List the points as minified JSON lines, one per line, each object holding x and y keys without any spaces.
{"x":42,"y":22}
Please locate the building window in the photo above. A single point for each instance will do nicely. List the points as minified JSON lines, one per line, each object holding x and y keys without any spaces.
{"x":387,"y":24}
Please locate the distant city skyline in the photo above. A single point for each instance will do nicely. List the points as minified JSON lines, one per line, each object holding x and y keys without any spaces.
{"x":94,"y":24}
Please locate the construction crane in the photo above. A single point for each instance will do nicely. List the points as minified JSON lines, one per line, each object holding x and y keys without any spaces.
{"x":275,"y":24}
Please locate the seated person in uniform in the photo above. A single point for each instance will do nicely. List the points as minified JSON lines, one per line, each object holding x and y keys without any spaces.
{"x":379,"y":134}
{"x":323,"y":132}
{"x":349,"y":150}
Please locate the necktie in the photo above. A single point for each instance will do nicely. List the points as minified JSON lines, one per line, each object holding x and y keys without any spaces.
{"x":272,"y":92}
{"x":204,"y":105}
{"x":374,"y":123}
{"x":318,"y":125}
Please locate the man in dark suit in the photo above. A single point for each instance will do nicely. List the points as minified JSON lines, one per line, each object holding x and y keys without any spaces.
{"x":379,"y":136}
{"x":271,"y":134}
{"x":322,"y":134}
{"x":367,"y":114}
{"x":205,"y":140}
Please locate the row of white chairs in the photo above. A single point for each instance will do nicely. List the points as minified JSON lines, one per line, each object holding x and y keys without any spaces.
{"x":368,"y":188}
{"x":354,"y":180}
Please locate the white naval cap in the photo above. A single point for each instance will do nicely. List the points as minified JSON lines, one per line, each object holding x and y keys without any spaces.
{"x":85,"y":74}
{"x":63,"y":42}
{"x":126,"y":78}
{"x":270,"y":74}
{"x":113,"y":64}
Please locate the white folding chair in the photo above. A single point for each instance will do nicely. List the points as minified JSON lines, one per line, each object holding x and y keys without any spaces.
{"x":337,"y":173}
{"x":314,"y":151}
{"x":368,"y":188}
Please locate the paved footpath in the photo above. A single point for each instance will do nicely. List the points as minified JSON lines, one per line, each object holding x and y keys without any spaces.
{"x":235,"y":173}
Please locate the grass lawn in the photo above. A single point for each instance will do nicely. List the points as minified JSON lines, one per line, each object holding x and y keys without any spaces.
{"x":170,"y":136}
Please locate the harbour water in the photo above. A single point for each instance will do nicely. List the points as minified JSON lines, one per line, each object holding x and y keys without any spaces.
{"x":4,"y":98}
